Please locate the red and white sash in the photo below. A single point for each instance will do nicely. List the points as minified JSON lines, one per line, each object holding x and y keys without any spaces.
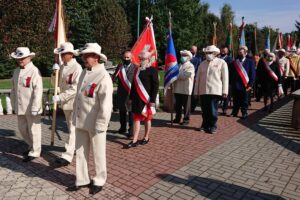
{"x":292,"y":66}
{"x":143,"y":94}
{"x":241,"y":71}
{"x":124,"y":80}
{"x":271,"y":72}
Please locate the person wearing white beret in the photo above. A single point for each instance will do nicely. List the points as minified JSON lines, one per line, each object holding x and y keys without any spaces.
{"x":26,"y":98}
{"x":69,"y":73}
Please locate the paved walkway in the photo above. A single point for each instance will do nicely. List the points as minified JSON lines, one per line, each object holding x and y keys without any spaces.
{"x":253,"y":159}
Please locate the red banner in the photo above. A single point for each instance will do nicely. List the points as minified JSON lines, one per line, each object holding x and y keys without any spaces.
{"x":146,"y":42}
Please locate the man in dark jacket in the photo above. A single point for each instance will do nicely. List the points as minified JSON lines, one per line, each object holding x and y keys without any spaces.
{"x":196,"y":60}
{"x":242,"y":76}
{"x":224,"y":54}
{"x":124,"y":76}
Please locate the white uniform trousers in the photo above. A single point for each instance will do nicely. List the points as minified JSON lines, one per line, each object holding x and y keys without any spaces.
{"x":85,"y":139}
{"x":31,"y":130}
{"x":70,"y":145}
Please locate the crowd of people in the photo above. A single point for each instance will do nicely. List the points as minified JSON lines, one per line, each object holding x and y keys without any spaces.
{"x":86,"y":96}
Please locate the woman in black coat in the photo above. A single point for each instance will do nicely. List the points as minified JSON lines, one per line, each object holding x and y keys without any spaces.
{"x":268,"y":84}
{"x":143,"y":109}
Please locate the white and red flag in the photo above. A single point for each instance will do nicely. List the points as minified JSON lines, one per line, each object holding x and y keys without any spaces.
{"x":145,"y":42}
{"x":57,"y":25}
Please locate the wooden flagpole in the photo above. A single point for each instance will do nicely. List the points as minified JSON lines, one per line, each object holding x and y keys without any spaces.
{"x":60,"y":38}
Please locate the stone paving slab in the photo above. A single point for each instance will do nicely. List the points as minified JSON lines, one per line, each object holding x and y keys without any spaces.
{"x":131,"y":172}
{"x":261,"y":162}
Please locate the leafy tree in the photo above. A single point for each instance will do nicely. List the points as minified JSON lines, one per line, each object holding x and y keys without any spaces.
{"x":27,"y":29}
{"x":78,"y":21}
{"x":111,"y":28}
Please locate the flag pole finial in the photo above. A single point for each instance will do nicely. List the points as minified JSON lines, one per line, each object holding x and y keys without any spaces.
{"x":170,"y":19}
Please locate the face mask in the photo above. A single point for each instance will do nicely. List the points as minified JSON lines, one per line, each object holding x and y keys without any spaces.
{"x":210,"y":57}
{"x":183,"y":59}
{"x":126,"y":62}
{"x":292,"y":53}
{"x":269,"y":59}
{"x":240,"y":57}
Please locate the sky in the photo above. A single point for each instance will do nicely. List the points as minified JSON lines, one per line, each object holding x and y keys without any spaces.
{"x":275,"y":13}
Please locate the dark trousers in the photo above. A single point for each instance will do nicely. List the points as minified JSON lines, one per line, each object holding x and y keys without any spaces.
{"x":194,"y":100}
{"x":289,"y":83}
{"x":209,"y":105}
{"x":182,"y":100}
{"x":123,"y":120}
{"x":240,"y":100}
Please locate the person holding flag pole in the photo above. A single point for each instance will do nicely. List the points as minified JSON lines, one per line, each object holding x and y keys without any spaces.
{"x":57,"y":25}
{"x":144,"y":88}
{"x":69,"y":73}
{"x":242,"y":77}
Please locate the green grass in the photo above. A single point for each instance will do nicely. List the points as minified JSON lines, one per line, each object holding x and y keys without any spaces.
{"x":6,"y":83}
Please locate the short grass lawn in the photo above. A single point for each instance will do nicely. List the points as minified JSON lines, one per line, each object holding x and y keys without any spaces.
{"x":6,"y":83}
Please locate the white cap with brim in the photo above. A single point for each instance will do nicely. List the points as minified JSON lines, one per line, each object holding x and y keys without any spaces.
{"x":22,"y":52}
{"x":66,"y":48}
{"x":293,"y":49}
{"x":281,"y":50}
{"x":211,"y":48}
{"x":186,"y":53}
{"x":92,"y":48}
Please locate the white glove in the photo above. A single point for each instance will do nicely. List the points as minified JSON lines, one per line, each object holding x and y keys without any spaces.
{"x":55,"y":99}
{"x":34,"y":113}
{"x":55,"y":67}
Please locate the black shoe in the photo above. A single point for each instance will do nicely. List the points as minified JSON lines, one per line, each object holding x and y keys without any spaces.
{"x":224,"y":112}
{"x":201,"y":129}
{"x":75,"y":188}
{"x":131,"y":144}
{"x":233,"y":115}
{"x":212,"y":130}
{"x":25,"y":153}
{"x":244,"y":116}
{"x":144,"y":141}
{"x":94,"y":189}
{"x":62,"y":162}
{"x":28,"y":159}
{"x":122,"y":130}
{"x":185,"y":122}
{"x":176,"y":121}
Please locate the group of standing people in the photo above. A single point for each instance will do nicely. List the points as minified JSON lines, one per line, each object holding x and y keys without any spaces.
{"x":86,"y":96}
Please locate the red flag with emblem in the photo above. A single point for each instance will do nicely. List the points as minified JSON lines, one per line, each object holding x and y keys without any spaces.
{"x":146,"y":42}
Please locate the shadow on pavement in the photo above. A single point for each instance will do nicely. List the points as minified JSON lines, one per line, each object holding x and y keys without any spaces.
{"x":215,"y":189}
{"x":7,"y":133}
{"x":276,"y":126}
{"x":13,"y":148}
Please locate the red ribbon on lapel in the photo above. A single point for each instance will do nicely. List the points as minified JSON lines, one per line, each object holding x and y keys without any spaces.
{"x":28,"y":79}
{"x":92,"y":89}
{"x":70,"y":79}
